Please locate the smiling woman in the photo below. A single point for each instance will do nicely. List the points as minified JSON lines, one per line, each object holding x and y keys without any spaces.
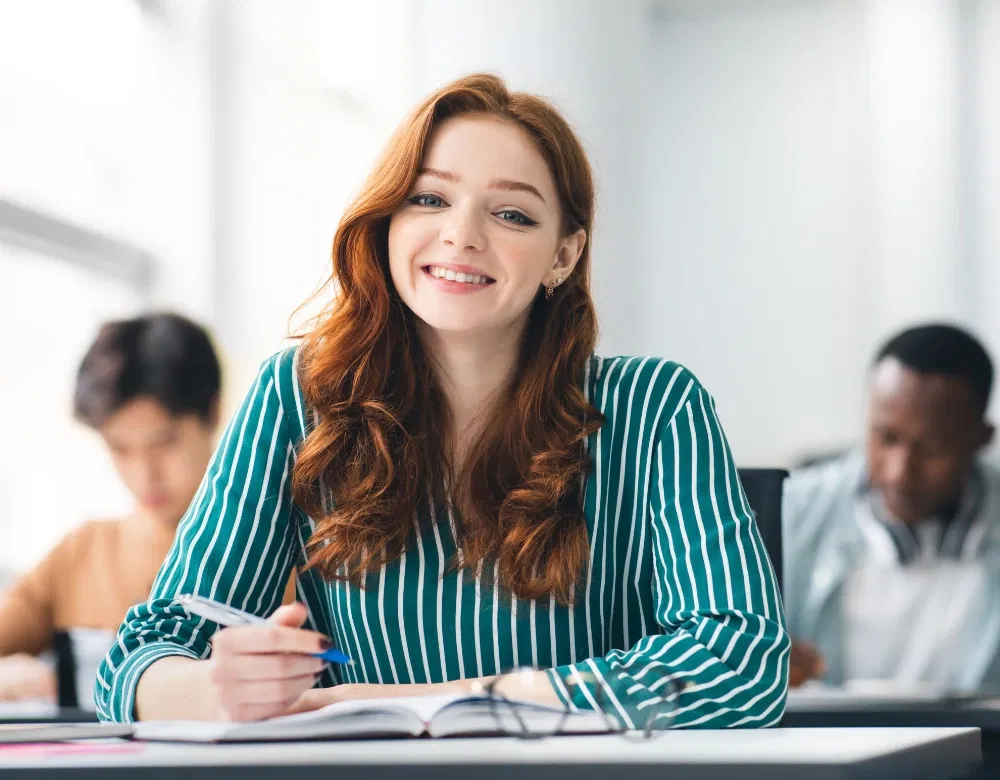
{"x":464,"y":487}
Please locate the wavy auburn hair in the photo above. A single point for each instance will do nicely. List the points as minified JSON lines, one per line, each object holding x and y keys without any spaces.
{"x":378,"y":449}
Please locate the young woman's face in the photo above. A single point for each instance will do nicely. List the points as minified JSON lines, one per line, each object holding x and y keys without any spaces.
{"x":480,"y":232}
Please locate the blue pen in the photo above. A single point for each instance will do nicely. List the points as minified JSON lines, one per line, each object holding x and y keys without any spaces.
{"x":226,"y":615}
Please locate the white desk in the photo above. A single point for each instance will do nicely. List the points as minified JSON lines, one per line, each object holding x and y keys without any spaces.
{"x":777,"y":754}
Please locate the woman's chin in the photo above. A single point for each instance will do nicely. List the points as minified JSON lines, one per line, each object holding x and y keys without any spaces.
{"x":457,"y":323}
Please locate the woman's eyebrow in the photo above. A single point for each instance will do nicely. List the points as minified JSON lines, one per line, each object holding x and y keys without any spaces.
{"x":510,"y":185}
{"x":516,"y":186}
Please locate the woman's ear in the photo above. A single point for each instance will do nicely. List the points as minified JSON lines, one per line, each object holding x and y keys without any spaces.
{"x":567,"y":255}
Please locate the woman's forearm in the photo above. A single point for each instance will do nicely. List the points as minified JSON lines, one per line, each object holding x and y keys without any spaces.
{"x":176,"y":688}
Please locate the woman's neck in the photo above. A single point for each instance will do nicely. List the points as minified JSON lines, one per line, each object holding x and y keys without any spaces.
{"x":471,"y":369}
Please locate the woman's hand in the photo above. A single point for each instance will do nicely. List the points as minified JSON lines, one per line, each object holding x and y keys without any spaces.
{"x":258,"y":672}
{"x":23,"y":677}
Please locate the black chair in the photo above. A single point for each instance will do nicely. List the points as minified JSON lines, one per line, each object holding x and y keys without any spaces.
{"x":62,"y":646}
{"x":763,"y":491}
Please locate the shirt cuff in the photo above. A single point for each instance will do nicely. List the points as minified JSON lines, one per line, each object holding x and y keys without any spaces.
{"x":125,"y":681}
{"x":571,"y":689}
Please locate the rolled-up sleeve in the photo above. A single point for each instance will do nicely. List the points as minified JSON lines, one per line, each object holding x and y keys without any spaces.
{"x":721,"y":658}
{"x":236,"y":544}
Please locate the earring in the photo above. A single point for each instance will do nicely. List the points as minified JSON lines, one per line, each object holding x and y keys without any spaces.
{"x":551,"y":288}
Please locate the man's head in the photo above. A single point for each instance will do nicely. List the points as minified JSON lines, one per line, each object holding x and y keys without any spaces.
{"x":150,"y":387}
{"x":930,"y":387}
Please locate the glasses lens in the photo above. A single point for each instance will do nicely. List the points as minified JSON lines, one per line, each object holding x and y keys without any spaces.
{"x":514,"y":716}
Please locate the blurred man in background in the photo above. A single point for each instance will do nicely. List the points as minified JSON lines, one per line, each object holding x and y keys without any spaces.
{"x":892,"y":555}
{"x":150,"y":388}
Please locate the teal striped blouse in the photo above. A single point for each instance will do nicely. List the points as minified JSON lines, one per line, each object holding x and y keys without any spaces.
{"x":679,"y":584}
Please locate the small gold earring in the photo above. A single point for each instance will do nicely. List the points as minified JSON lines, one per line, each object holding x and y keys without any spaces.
{"x":551,"y":288}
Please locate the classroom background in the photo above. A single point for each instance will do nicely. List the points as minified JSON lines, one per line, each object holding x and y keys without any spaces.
{"x":799,"y":178}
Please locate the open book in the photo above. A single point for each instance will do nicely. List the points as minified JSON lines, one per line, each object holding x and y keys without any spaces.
{"x":435,"y":716}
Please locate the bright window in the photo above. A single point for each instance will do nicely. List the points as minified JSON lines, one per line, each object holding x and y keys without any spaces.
{"x":53,"y":471}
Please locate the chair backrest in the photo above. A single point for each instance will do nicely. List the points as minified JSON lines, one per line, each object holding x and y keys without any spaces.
{"x":62,"y":644}
{"x":763,"y":491}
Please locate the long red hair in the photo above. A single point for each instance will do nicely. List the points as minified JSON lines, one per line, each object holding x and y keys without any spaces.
{"x":377,"y":449}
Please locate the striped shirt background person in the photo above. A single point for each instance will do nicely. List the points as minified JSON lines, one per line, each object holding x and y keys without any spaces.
{"x":678,"y":584}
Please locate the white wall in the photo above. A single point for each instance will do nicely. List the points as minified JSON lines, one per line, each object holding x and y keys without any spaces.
{"x":105,"y":124}
{"x":986,"y":168}
{"x":289,"y":153}
{"x":806,"y":195}
{"x":755,"y":217}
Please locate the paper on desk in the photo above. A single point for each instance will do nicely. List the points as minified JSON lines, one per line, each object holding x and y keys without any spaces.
{"x":27,"y":710}
{"x":860,"y":693}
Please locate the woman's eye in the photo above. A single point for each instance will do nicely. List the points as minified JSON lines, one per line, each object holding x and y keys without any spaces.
{"x":516,"y":217}
{"x":433,"y":201}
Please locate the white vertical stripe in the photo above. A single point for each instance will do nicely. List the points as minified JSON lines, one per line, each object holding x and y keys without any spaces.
{"x":339,"y":625}
{"x":298,"y":392}
{"x":534,"y":635}
{"x":421,"y":569}
{"x":458,"y":598}
{"x":553,"y":640}
{"x":498,"y":669}
{"x":342,"y":593}
{"x":599,"y":512}
{"x":359,"y":664}
{"x":480,"y":672}
{"x":696,"y":506}
{"x":610,"y":521}
{"x":616,"y":522}
{"x":723,"y":555}
{"x":458,"y":624}
{"x":401,"y":613}
{"x":442,"y":569}
{"x":679,"y":513}
{"x":363,"y":596}
{"x":513,"y":629}
{"x":381,"y":619}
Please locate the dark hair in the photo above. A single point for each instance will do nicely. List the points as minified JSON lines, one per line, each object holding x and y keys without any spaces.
{"x":945,"y":350}
{"x":165,"y":357}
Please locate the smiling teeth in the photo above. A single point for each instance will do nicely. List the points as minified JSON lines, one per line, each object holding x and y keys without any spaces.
{"x":457,"y":276}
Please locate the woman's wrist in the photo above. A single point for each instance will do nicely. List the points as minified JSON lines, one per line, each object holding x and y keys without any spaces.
{"x":176,"y":688}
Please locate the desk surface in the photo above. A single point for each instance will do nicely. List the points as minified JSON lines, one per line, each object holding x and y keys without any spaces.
{"x":34,"y":712}
{"x":847,"y":711}
{"x":777,"y":754}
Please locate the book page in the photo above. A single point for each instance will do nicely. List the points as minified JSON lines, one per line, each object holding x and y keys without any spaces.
{"x":403,"y":716}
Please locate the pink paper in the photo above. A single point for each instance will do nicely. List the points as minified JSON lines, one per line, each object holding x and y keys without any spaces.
{"x":68,"y":748}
